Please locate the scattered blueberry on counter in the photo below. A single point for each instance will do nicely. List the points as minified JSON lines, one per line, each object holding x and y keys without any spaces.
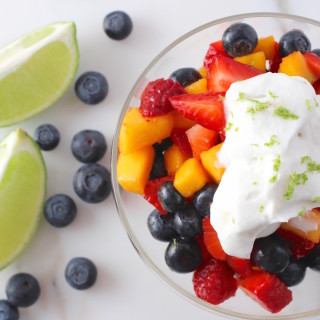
{"x":8,"y":311}
{"x":47,"y":137}
{"x":91,"y":87}
{"x":117,"y":25}
{"x":92,"y":183}
{"x":22,"y":290}
{"x":88,"y":146}
{"x":60,"y":210}
{"x":81,"y":273}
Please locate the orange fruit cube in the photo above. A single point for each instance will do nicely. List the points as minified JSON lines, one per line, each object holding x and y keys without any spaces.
{"x":173,"y":159}
{"x":196,"y":87}
{"x":256,"y":60}
{"x":267,"y":46}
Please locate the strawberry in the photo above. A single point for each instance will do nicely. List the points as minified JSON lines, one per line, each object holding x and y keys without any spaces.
{"x":316,"y":86}
{"x":215,"y":48}
{"x":205,"y":254}
{"x":155,"y":97}
{"x":151,"y":192}
{"x":224,"y":71}
{"x":299,"y":246}
{"x":206,"y":110}
{"x":242,"y":267}
{"x":179,"y":138}
{"x":211,"y":240}
{"x":313,"y":62}
{"x":267,"y":289}
{"x":276,"y":60}
{"x":201,"y":139}
{"x":213,"y":281}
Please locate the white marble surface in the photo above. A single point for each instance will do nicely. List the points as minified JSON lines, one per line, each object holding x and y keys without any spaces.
{"x":125,"y":288}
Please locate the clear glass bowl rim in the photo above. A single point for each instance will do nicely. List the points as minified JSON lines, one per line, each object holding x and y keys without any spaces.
{"x":116,"y":190}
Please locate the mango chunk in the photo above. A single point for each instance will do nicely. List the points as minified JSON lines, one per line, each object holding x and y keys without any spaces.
{"x":211,"y":163}
{"x":311,"y":219}
{"x":203,"y":72}
{"x":137,"y":131}
{"x":173,"y":159}
{"x":197,"y":87}
{"x":190,"y":177}
{"x":181,"y":122}
{"x":295,"y":65}
{"x":133,"y":169}
{"x":256,"y":60}
{"x":267,"y":46}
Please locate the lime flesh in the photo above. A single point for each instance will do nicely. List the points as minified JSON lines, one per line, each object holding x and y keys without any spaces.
{"x":36,"y":70}
{"x":22,"y":193}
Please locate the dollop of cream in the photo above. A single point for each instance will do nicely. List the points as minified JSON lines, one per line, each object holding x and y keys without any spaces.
{"x":272,"y":159}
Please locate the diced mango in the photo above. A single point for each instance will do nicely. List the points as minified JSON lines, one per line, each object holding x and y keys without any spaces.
{"x":256,"y":60}
{"x":190,"y":177}
{"x":133,"y":169}
{"x":173,"y":159}
{"x":295,"y":65}
{"x":181,"y":122}
{"x":309,"y":221}
{"x":267,"y":46}
{"x":211,"y":163}
{"x":203,"y":72}
{"x":137,"y":131}
{"x":199,"y":86}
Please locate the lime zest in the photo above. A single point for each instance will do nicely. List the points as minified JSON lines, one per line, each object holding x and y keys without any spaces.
{"x":273,"y":141}
{"x":285,"y":114}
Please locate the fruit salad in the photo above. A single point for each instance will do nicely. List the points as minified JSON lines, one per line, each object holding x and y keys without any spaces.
{"x":227,"y":154}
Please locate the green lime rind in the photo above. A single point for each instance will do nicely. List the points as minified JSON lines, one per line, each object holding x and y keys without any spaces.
{"x":23,"y":180}
{"x":36,"y":71}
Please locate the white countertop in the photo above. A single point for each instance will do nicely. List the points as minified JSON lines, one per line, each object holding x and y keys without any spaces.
{"x":125,"y":288}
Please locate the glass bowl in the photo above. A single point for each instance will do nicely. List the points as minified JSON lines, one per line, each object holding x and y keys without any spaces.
{"x":189,"y":51}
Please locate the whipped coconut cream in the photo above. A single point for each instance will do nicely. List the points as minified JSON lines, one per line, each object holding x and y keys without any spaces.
{"x":272,"y":159}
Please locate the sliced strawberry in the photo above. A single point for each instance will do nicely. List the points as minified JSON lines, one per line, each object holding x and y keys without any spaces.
{"x":224,"y":71}
{"x":151,"y":192}
{"x":276,"y":60}
{"x":155,"y":97}
{"x":215,"y":48}
{"x":316,"y":86}
{"x":211,"y":240}
{"x":213,"y":281}
{"x":201,"y":139}
{"x":205,"y":254}
{"x":206,"y":110}
{"x":179,"y":138}
{"x":313,"y":62}
{"x":242,"y":267}
{"x":299,"y":246}
{"x":267,"y":290}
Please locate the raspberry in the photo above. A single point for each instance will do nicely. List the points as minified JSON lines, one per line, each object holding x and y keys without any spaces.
{"x":155,"y":97}
{"x":213,"y":281}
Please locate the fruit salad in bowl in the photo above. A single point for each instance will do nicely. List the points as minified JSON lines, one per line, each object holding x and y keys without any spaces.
{"x":215,"y":166}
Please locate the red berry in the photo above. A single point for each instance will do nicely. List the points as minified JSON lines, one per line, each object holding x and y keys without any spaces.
{"x":313,"y":61}
{"x":214,"y":282}
{"x":180,"y":139}
{"x":267,"y":289}
{"x":151,"y":192}
{"x":155,"y":97}
{"x":242,"y":267}
{"x":215,"y":48}
{"x":276,"y":60}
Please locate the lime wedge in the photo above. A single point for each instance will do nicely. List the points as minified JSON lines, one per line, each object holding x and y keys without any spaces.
{"x":22,"y":193}
{"x":36,"y":70}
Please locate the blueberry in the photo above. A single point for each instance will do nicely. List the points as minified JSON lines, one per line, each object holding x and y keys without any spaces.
{"x":22,"y":290}
{"x":239,"y":39}
{"x":117,"y":25}
{"x":183,"y":255}
{"x":185,"y":76}
{"x":91,"y":87}
{"x":81,"y":273}
{"x":313,"y":259}
{"x":161,"y":226}
{"x":8,"y":311}
{"x":203,"y":198}
{"x":60,"y":210}
{"x":316,"y":51}
{"x":170,"y":198}
{"x":47,"y":137}
{"x":88,"y":146}
{"x":294,"y":40}
{"x":188,"y":222}
{"x":163,"y":145}
{"x":271,"y":254}
{"x":294,"y":273}
{"x":92,"y":183}
{"x":158,"y":169}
